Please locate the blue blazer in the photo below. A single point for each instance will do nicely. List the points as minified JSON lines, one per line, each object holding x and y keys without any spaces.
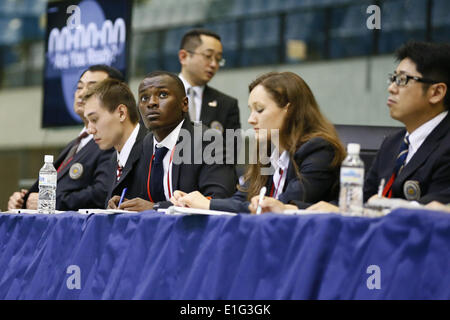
{"x":319,"y":181}
{"x":90,"y":189}
{"x":219,"y":109}
{"x":214,"y":180}
{"x":217,"y":106}
{"x":131,"y":173}
{"x":429,"y":168}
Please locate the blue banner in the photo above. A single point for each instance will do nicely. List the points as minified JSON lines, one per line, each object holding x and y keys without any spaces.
{"x":80,"y":34}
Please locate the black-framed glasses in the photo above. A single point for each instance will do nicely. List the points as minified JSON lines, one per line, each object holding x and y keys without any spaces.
{"x":402,"y":79}
{"x":209,"y":57}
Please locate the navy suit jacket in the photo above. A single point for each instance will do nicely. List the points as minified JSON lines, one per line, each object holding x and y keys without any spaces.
{"x":214,"y":180}
{"x":319,"y":181}
{"x":131,"y":173}
{"x":221,"y":111}
{"x":90,"y":189}
{"x":217,"y":106}
{"x":429,"y":167}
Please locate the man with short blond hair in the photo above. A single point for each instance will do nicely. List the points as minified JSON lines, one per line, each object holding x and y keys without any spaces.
{"x":113,"y":120}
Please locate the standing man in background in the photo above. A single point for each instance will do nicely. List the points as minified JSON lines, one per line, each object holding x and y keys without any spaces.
{"x":83,"y":169}
{"x":200,"y":57}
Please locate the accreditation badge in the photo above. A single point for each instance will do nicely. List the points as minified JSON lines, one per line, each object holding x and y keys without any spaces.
{"x":217,"y":125}
{"x":411,"y":190}
{"x":76,"y":171}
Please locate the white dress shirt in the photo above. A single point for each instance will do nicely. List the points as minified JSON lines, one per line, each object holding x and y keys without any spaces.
{"x":123,"y":155}
{"x":198,"y":96}
{"x":418,"y":136}
{"x":84,"y":141}
{"x":279,"y":179}
{"x":169,"y":142}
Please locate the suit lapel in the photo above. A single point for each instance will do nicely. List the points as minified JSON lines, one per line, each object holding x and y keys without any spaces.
{"x":426,"y":149}
{"x":207,"y":113}
{"x":114,"y":181}
{"x":176,"y":168}
{"x":134,"y":154}
{"x":63,"y":153}
{"x":79,"y":155}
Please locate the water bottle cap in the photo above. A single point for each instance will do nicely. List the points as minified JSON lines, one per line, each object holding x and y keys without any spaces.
{"x":48,"y":158}
{"x":353,"y":148}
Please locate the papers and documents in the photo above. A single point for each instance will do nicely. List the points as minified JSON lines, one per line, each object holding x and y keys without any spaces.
{"x":304,"y":211}
{"x":30,"y":211}
{"x":392,"y":203}
{"x":105,"y":211}
{"x":190,"y":211}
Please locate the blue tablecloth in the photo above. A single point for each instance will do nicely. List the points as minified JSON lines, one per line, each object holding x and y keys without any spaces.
{"x":154,"y":256}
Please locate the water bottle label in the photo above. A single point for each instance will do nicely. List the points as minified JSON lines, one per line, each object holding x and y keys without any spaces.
{"x":352,"y":175}
{"x":49,"y":180}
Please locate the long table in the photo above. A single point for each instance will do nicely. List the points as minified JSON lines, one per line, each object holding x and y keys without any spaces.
{"x":149,"y":255}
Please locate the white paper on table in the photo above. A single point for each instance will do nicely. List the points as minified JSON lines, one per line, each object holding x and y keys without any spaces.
{"x":304,"y":211}
{"x":190,"y":211}
{"x":105,"y":211}
{"x":29,"y":211}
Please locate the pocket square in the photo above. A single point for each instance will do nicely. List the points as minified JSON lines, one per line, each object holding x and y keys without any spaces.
{"x":212,"y":103}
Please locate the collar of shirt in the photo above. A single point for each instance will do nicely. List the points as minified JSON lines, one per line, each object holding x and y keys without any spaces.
{"x":279,"y":179}
{"x":198,"y":94}
{"x":170,"y":141}
{"x":198,"y":89}
{"x":123,"y":155}
{"x":281,"y":161}
{"x":418,"y":136}
{"x":84,"y":141}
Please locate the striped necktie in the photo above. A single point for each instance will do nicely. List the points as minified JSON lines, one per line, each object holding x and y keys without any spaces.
{"x":399,"y":164}
{"x":119,"y":171}
{"x":192,"y":107}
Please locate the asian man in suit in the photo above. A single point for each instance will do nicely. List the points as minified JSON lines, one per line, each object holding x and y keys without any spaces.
{"x":113,"y":120}
{"x":83,"y":173}
{"x":171,"y":150}
{"x":415,"y":161}
{"x":200,"y":56}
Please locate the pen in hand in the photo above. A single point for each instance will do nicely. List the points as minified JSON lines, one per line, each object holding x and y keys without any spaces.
{"x":380,"y":188}
{"x":122,"y":197}
{"x":261,"y":197}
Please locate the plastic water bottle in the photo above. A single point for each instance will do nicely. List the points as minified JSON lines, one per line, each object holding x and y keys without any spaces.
{"x":352,"y":181}
{"x":47,"y":186}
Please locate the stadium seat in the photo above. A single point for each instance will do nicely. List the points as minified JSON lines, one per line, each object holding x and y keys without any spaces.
{"x":228,"y":32}
{"x":11,"y":30}
{"x":218,"y":9}
{"x":402,"y":21}
{"x":260,"y":41}
{"x":368,"y":137}
{"x":307,"y":29}
{"x":440,"y":18}
{"x":171,"y":46}
{"x":349,"y":35}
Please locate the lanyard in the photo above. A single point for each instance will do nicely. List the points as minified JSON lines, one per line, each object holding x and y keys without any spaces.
{"x":61,"y":167}
{"x":168,"y":175}
{"x":278,"y":185}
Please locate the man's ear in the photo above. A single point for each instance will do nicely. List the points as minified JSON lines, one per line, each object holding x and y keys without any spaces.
{"x":436,"y":92}
{"x":122,"y":111}
{"x":185,"y":107}
{"x":182,"y":55}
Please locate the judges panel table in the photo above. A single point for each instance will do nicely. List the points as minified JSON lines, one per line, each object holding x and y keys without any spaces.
{"x":149,"y":255}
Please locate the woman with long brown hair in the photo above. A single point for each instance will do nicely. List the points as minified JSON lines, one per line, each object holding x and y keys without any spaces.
{"x":307,"y":156}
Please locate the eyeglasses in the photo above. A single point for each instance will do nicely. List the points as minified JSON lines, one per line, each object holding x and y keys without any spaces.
{"x":402,"y":79}
{"x":209,"y":57}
